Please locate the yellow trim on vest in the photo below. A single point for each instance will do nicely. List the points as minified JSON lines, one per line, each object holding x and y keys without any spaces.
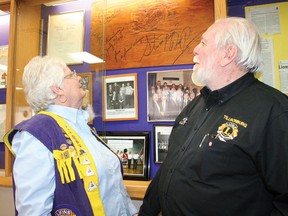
{"x":84,"y":164}
{"x":7,"y":143}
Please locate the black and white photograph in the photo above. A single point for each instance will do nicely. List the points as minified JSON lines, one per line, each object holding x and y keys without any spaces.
{"x":161,"y":135}
{"x":168,"y":92}
{"x":120,"y":97}
{"x":132,"y":150}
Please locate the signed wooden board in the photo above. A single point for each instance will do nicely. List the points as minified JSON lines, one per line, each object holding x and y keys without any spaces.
{"x":148,"y":33}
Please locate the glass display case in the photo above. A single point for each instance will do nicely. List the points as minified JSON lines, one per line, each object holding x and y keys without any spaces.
{"x":65,"y":28}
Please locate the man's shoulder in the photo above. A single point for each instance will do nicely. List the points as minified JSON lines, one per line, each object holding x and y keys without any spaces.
{"x":268,"y":92}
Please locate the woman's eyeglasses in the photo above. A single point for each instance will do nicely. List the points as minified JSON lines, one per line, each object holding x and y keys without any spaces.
{"x":70,"y":75}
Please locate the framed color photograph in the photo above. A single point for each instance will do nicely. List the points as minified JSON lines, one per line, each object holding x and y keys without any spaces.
{"x":120,"y":97}
{"x":66,"y":36}
{"x":87,"y":85}
{"x":2,"y":121}
{"x":132,"y":149}
{"x":3,"y":66}
{"x":168,"y":92}
{"x":161,"y":137}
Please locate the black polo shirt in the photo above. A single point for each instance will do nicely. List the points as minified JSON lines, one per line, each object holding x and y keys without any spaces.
{"x":228,"y":155}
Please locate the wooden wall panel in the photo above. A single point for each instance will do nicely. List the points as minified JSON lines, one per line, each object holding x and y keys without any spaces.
{"x":149,"y":33}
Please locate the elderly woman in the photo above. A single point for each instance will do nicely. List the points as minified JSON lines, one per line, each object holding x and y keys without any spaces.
{"x":61,"y":167}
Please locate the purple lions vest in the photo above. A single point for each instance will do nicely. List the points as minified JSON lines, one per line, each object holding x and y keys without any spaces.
{"x":69,"y":198}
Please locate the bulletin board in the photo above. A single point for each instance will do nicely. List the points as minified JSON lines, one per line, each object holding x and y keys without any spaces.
{"x":148,"y":33}
{"x":271,"y":21}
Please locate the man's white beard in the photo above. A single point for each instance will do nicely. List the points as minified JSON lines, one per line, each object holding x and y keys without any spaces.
{"x":196,"y":80}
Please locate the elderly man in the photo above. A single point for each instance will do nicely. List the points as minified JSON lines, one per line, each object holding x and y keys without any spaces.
{"x":228,"y":150}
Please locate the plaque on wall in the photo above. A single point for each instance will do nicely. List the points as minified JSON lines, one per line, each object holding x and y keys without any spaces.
{"x":149,"y":33}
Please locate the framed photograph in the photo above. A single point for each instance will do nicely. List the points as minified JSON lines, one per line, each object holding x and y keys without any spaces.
{"x":168,"y":92}
{"x":3,"y":66}
{"x":132,"y":149}
{"x":120,"y":97}
{"x":87,"y":85}
{"x":65,"y":36}
{"x":2,"y":121}
{"x":161,"y":138}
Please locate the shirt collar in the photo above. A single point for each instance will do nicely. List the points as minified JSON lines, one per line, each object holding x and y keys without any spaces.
{"x":224,"y":94}
{"x":69,"y":113}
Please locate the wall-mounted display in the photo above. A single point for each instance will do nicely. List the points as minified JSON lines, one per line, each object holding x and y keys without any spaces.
{"x":168,"y":92}
{"x":132,"y":148}
{"x":66,"y":36}
{"x":153,"y":33}
{"x":161,"y":138}
{"x":120,"y":97}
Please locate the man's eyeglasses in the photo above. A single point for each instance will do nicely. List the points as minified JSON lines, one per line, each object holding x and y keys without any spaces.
{"x":70,"y":75}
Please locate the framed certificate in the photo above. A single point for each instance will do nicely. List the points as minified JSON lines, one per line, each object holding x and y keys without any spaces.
{"x":66,"y":35}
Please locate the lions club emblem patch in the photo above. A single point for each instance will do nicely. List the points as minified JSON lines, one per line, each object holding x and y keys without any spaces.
{"x":227,"y":131}
{"x":66,"y":210}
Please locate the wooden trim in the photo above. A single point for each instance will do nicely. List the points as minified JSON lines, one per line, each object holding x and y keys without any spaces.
{"x":220,"y":9}
{"x":136,"y":189}
{"x":10,"y":81}
{"x":5,"y":181}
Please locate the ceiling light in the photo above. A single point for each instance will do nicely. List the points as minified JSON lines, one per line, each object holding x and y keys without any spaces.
{"x":86,"y":57}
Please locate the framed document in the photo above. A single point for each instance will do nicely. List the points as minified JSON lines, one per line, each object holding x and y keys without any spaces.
{"x":66,"y":35}
{"x":132,"y":150}
{"x":120,"y":97}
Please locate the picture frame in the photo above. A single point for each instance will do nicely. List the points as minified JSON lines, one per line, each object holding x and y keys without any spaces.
{"x":120,"y":97}
{"x":87,"y":85}
{"x":3,"y":66}
{"x":168,"y":92}
{"x":2,"y":121}
{"x":134,"y":144}
{"x":65,"y":35}
{"x":161,"y":138}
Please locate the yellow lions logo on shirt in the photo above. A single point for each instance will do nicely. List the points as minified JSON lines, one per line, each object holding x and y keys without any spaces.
{"x":227,"y":131}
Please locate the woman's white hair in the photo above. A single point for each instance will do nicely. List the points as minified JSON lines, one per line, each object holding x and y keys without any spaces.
{"x":244,"y":35}
{"x":39,"y":75}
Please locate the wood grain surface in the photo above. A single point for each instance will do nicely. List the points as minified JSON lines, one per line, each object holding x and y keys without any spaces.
{"x":148,"y":33}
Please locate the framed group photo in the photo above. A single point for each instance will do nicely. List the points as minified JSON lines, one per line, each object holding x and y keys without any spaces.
{"x":161,"y":138}
{"x":132,"y":148}
{"x":168,"y":92}
{"x":120,"y":97}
